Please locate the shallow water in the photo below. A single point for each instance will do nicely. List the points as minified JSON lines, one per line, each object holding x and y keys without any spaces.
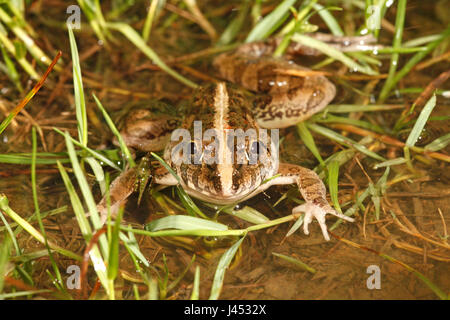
{"x":414,"y":211}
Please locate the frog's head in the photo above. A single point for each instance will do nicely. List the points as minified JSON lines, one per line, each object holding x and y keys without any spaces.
{"x":207,"y":172}
{"x":220,"y":153}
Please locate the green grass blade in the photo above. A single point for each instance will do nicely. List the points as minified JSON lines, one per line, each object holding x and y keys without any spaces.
{"x":412,"y":62}
{"x":248,"y":214}
{"x":83,"y":184}
{"x":149,"y":19}
{"x":11,"y":70}
{"x":188,"y":203}
{"x":21,"y":294}
{"x":392,"y":162}
{"x":116,"y":132}
{"x":196,"y":285}
{"x":131,"y":243}
{"x":333,"y":53}
{"x":223,"y":265}
{"x":21,"y":60}
{"x":4,"y":206}
{"x":333,"y":175}
{"x":113,"y":258}
{"x":96,"y":256}
{"x":80,"y":104}
{"x":98,"y":173}
{"x":232,"y":30}
{"x":296,"y":262}
{"x":344,"y":140}
{"x":439,"y":143}
{"x":399,"y":23}
{"x":421,"y":121}
{"x":183,"y":222}
{"x":60,"y":283}
{"x":12,"y":234}
{"x":267,"y":24}
{"x":5,"y":252}
{"x":308,"y":140}
{"x":347,"y":108}
{"x":78,"y":209}
{"x":94,"y":153}
{"x":137,"y":40}
{"x":295,"y":226}
{"x":329,"y":20}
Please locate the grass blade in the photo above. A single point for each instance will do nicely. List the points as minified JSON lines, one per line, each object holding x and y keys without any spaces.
{"x":333,"y":175}
{"x":5,"y":252}
{"x":113,"y":259}
{"x":399,"y":23}
{"x":4,"y":206}
{"x":296,"y":262}
{"x":344,"y":140}
{"x":413,"y":61}
{"x":80,"y":103}
{"x":29,"y":96}
{"x":439,"y":143}
{"x":188,"y":203}
{"x":329,"y":20}
{"x":196,"y":285}
{"x":94,"y":153}
{"x":183,"y":222}
{"x":421,"y":121}
{"x":137,"y":40}
{"x":223,"y":265}
{"x":332,"y":52}
{"x":116,"y":132}
{"x":308,"y":140}
{"x":267,"y":24}
{"x":59,"y":283}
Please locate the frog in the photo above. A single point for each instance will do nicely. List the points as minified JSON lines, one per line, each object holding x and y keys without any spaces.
{"x":278,"y":100}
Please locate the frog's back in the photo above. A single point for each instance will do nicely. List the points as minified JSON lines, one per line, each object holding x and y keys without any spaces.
{"x":219,"y":106}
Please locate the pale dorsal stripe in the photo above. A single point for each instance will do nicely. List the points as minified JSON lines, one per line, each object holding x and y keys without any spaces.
{"x":225,"y":165}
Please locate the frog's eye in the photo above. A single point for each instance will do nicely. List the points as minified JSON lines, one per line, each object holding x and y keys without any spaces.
{"x":256,"y":148}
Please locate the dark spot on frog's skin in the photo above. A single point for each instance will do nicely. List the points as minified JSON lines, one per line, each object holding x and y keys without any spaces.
{"x":211,"y":168}
{"x":237,"y":177}
{"x":261,"y":102}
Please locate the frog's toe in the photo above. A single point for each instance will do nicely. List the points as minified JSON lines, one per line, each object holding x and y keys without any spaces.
{"x":311,"y":211}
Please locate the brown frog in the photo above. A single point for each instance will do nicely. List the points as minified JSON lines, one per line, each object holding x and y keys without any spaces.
{"x":282,"y":100}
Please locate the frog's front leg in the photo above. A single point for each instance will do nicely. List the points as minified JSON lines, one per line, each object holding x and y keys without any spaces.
{"x":312,"y":190}
{"x":127,"y":183}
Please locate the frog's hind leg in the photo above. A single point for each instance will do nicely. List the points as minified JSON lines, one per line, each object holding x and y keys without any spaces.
{"x":284,"y":99}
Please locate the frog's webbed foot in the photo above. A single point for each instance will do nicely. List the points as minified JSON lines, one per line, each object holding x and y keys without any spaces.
{"x":313,"y":191}
{"x":312,"y":210}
